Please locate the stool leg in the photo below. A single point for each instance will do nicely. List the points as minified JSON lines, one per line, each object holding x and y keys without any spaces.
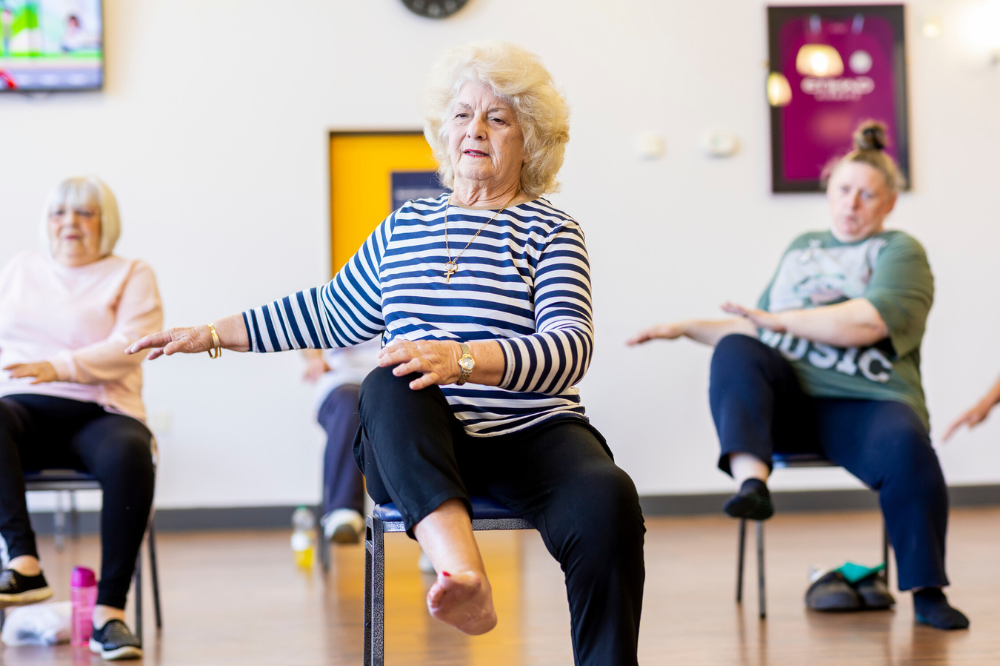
{"x":138,"y":596}
{"x":761,"y":593}
{"x":154,"y":574}
{"x":74,"y":517}
{"x":324,"y":548}
{"x":378,"y":593}
{"x":3,"y":616}
{"x":885,"y":552}
{"x":60,"y":523}
{"x":739,"y":560}
{"x":369,"y":545}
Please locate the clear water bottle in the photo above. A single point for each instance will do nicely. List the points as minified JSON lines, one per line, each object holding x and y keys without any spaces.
{"x":83,"y":598}
{"x":303,"y":537}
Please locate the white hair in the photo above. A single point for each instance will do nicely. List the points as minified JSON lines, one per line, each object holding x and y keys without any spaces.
{"x":84,"y":191}
{"x":517,"y":76}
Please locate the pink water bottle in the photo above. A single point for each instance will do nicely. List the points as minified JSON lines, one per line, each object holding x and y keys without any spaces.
{"x":83,"y":596}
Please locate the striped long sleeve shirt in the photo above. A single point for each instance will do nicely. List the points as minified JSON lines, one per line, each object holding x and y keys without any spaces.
{"x":524,"y":282}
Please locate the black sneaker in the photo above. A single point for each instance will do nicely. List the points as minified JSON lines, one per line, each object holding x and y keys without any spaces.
{"x":832,"y":593}
{"x":114,"y":641}
{"x":17,"y":589}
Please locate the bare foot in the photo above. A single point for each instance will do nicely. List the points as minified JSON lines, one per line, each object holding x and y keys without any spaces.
{"x":464,"y":600}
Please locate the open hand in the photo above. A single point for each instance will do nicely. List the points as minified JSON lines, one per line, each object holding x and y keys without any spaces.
{"x":435,"y":360}
{"x":970,"y":419}
{"x":315,"y":368}
{"x":662,"y":331}
{"x":43,"y":372}
{"x":759,"y":318}
{"x":191,"y":340}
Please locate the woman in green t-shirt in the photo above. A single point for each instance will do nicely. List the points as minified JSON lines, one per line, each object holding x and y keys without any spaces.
{"x":829,"y":362}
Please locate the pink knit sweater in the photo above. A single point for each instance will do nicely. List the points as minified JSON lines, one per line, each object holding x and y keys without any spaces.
{"x":80,"y":320}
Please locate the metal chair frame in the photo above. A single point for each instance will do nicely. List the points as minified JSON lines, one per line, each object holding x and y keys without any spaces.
{"x":60,"y":480}
{"x":787,"y":461}
{"x":385,"y":519}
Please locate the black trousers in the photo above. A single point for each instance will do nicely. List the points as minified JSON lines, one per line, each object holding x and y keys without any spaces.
{"x":759,"y":407}
{"x":41,"y":432}
{"x":343,"y":485}
{"x":559,"y":476}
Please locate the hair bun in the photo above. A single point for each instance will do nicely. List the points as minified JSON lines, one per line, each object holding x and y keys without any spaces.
{"x":870,"y":135}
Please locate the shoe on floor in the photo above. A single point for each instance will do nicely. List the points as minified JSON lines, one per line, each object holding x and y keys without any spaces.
{"x":343,"y":526}
{"x":874,"y":593}
{"x":115,"y":641}
{"x":931,"y":607}
{"x":831,"y":592}
{"x":16,"y":589}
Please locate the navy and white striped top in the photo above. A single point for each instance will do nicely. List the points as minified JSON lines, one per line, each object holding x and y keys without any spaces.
{"x":524,"y":282}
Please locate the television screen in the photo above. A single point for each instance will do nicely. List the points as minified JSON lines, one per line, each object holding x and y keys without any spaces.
{"x":48,"y":45}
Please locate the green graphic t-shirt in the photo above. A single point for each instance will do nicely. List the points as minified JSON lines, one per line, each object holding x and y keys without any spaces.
{"x":891,"y":271}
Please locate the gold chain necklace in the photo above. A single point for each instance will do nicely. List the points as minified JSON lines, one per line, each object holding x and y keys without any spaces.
{"x":451,"y":267}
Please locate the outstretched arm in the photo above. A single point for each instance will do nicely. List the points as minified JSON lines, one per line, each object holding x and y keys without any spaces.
{"x":977,"y":414}
{"x":705,"y":331}
{"x":194,"y":339}
{"x":853,"y":323}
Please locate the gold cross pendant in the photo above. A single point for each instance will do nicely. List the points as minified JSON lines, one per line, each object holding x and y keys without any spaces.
{"x":449,"y":269}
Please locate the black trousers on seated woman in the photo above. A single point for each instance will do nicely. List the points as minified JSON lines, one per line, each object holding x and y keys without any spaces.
{"x":557,"y":475}
{"x":759,"y":407}
{"x":42,"y":432}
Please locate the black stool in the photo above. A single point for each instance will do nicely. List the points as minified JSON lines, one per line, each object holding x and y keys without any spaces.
{"x":487,"y":514}
{"x":787,"y":461}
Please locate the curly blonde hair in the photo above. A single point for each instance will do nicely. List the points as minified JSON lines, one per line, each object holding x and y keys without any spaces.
{"x":516,"y":75}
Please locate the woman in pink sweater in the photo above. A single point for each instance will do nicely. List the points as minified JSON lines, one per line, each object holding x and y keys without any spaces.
{"x":70,"y":398}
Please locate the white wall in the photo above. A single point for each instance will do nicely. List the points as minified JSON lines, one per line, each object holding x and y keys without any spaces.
{"x":212,"y":131}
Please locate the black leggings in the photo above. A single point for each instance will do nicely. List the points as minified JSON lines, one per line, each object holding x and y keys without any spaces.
{"x":558,"y":475}
{"x":41,"y":432}
{"x":759,"y":407}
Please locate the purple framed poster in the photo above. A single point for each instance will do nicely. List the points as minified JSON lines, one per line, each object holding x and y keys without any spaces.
{"x":835,"y":66}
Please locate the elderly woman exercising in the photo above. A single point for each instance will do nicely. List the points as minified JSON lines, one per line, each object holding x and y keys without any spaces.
{"x":829,"y":361}
{"x":483,"y":300}
{"x":72,"y":399}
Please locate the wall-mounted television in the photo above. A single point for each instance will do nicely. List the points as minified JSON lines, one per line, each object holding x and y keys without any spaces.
{"x":51,"y":45}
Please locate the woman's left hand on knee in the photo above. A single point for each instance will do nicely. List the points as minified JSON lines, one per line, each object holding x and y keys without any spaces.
{"x":435,"y":360}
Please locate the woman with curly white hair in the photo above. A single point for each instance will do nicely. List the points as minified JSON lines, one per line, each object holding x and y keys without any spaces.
{"x":69,"y":397}
{"x":483,"y":301}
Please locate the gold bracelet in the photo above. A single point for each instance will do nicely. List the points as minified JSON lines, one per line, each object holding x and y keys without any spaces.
{"x":217,"y":352}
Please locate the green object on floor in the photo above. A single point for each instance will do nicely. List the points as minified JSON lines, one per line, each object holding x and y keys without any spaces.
{"x":855,"y":572}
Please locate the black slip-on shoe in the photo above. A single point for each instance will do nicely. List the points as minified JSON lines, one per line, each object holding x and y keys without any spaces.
{"x":114,"y":641}
{"x":18,"y":590}
{"x":874,"y":593}
{"x":752,"y":502}
{"x":832,"y":593}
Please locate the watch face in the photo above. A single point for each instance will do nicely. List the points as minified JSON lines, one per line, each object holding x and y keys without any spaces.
{"x":435,"y":9}
{"x":467,"y":363}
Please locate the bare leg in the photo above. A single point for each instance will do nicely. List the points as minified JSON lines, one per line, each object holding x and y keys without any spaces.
{"x":26,"y":565}
{"x":747,"y":466}
{"x":104,"y":614}
{"x":461,"y":596}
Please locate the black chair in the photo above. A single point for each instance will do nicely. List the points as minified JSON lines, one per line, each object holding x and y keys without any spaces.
{"x":788,"y":461}
{"x":60,"y":480}
{"x":487,"y":514}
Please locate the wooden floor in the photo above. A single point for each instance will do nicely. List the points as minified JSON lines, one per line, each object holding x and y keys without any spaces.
{"x":236,"y":599}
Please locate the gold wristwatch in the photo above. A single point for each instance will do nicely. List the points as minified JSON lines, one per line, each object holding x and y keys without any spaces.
{"x":466,"y":363}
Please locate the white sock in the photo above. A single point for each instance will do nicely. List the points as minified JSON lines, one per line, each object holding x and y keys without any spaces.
{"x":747,"y":466}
